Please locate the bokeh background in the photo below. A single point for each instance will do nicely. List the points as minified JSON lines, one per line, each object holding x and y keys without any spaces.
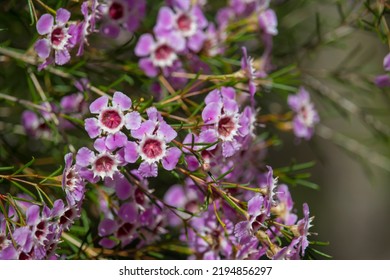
{"x":352,"y":207}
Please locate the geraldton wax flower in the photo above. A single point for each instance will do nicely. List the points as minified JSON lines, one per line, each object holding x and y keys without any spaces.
{"x":111,"y":119}
{"x":59,"y":37}
{"x":306,"y":115}
{"x":153,"y":138}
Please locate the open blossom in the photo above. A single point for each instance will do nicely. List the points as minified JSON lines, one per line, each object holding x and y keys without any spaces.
{"x":250,"y":72}
{"x":103,"y":164}
{"x":35,"y":126}
{"x":153,"y":138}
{"x":160,"y":54}
{"x":111,"y":119}
{"x":72,"y":182}
{"x":87,"y":26}
{"x":301,"y":230}
{"x":59,"y":37}
{"x":268,"y":22}
{"x":284,"y":206}
{"x":305,"y":114}
{"x":222,"y":118}
{"x":40,"y":235}
{"x":184,"y":19}
{"x":120,"y":15}
{"x":208,"y":239}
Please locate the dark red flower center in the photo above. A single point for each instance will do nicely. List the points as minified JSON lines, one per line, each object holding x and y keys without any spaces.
{"x":111,"y":119}
{"x":104,"y":164}
{"x":69,"y":178}
{"x":57,"y":36}
{"x":139,"y":196}
{"x":152,"y":148}
{"x":184,"y":22}
{"x":163,"y":52}
{"x":225,"y":126}
{"x":40,"y":230}
{"x":124,"y":230}
{"x":116,"y":11}
{"x":68,"y":216}
{"x":304,"y":112}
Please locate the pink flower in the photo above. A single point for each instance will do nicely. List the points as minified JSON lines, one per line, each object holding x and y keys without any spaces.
{"x":153,"y":138}
{"x":59,"y":37}
{"x":111,"y":119}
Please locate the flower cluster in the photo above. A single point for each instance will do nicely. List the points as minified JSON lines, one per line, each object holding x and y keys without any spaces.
{"x":179,"y":30}
{"x":134,"y":218}
{"x":208,"y":139}
{"x":37,"y":124}
{"x":35,"y":233}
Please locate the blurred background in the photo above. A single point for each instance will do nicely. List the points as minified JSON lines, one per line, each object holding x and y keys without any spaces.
{"x":352,"y":148}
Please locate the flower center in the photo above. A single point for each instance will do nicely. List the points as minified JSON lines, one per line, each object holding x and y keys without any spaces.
{"x":111,"y":119}
{"x":184,"y":22}
{"x":104,"y":164}
{"x":116,"y":11}
{"x":225,"y":126}
{"x":40,"y":230}
{"x":70,"y":178}
{"x":163,"y":52}
{"x":124,"y":230}
{"x":57,"y":36}
{"x":152,"y":148}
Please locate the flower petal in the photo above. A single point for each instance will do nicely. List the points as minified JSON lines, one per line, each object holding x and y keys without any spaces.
{"x":131,"y":153}
{"x":148,"y":170}
{"x":171,"y":158}
{"x":123,"y":188}
{"x":84,"y":157}
{"x":146,"y":64}
{"x":386,"y":62}
{"x":132,"y":120}
{"x":254,"y":205}
{"x":92,"y":127}
{"x":230,"y":148}
{"x":128,"y":212}
{"x":45,"y":24}
{"x":100,"y":145}
{"x":211,"y":112}
{"x":108,"y":243}
{"x":62,"y":57}
{"x":146,"y":128}
{"x":107,"y":227}
{"x":121,"y":100}
{"x":32,"y":215}
{"x":43,"y":48}
{"x":213,"y":96}
{"x":166,"y":131}
{"x":116,"y":140}
{"x":165,"y":19}
{"x":144,"y":45}
{"x":195,"y":42}
{"x":62,"y":16}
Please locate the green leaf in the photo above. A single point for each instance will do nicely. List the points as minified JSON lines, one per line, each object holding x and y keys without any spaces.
{"x":24,"y":166}
{"x":295,"y":167}
{"x":320,"y":253}
{"x":308,"y":184}
{"x":55,"y":173}
{"x":6,"y":168}
{"x":31,"y":11}
{"x":23,"y":189}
